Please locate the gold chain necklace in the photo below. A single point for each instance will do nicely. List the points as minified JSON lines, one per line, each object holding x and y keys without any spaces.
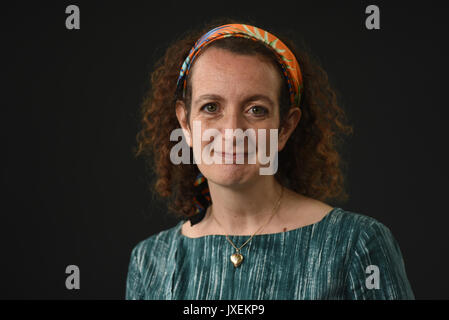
{"x":237,"y":257}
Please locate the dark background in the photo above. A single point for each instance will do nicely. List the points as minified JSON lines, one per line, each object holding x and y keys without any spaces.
{"x":72,"y":192}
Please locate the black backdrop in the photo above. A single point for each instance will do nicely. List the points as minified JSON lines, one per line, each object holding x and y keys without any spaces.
{"x":74,"y":194}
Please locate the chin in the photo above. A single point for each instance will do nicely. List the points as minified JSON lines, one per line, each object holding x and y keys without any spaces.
{"x":230,"y":175}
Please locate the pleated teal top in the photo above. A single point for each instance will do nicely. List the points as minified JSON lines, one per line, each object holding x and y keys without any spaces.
{"x":345,"y":255}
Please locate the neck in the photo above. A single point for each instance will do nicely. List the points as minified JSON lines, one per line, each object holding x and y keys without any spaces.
{"x":244,"y":209}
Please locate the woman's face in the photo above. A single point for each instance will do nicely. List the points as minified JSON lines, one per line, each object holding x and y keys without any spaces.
{"x":232,"y":91}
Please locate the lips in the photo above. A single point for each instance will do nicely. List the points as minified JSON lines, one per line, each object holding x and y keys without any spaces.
{"x":234,"y":155}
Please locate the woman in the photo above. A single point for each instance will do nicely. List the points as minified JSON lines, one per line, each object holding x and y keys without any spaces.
{"x":247,"y":235}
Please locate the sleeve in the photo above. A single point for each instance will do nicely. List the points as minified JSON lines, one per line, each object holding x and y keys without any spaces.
{"x":376,"y":269}
{"x":134,"y":288}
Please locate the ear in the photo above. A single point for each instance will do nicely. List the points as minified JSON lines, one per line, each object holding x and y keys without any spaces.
{"x":181,"y":114}
{"x":292,"y":120}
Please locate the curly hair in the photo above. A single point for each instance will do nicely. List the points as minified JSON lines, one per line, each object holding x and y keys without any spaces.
{"x":309,"y":164}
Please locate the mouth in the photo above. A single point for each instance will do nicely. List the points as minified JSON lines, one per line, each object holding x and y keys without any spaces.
{"x":233,"y":155}
{"x":226,"y":154}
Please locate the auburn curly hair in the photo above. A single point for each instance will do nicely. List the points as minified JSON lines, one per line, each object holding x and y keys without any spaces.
{"x":309,"y":164}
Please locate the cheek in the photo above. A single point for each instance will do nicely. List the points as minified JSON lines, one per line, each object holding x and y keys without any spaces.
{"x":205,"y":138}
{"x":267,"y":141}
{"x":269,"y":128}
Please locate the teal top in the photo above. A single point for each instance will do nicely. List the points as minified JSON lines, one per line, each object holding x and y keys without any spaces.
{"x":345,"y":255}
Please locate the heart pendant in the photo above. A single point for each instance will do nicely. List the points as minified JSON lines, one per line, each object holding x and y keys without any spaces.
{"x":236,"y":259}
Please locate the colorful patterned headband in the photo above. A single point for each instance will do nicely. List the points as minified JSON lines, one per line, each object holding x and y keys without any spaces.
{"x":286,"y":58}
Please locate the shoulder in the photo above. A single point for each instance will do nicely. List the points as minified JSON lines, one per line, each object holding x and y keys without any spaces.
{"x":365,"y":236}
{"x":157,"y":244}
{"x":354,"y":221}
{"x":373,"y":251}
{"x":333,"y":219}
{"x":149,"y":264}
{"x":355,"y":231}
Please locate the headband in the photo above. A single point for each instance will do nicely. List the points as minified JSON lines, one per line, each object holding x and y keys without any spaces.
{"x":286,"y":58}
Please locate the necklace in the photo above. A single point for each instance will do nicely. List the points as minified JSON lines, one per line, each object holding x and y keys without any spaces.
{"x":237,"y":257}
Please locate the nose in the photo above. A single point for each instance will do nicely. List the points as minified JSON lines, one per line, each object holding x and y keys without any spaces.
{"x":232,"y":120}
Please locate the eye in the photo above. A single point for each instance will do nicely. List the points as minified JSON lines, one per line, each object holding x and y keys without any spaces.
{"x":209,"y":107}
{"x":258,"y":111}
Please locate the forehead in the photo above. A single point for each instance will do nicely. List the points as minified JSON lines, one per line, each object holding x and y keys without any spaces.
{"x":225,"y":72}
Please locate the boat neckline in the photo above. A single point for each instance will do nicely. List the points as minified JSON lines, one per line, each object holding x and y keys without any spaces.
{"x":183,"y":236}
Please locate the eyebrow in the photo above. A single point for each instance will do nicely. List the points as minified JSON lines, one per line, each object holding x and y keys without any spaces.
{"x":220,"y":98}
